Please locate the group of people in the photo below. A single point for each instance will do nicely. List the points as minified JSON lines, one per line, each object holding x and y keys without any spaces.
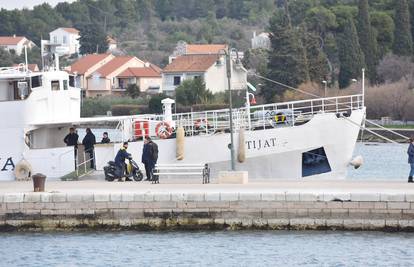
{"x":149,"y":153}
{"x":89,"y":141}
{"x":149,"y":157}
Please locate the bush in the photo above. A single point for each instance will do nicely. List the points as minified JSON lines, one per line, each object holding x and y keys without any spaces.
{"x":125,"y":110}
{"x":101,"y":105}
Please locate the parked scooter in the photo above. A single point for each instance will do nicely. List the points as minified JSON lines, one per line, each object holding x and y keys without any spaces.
{"x":132,"y":170}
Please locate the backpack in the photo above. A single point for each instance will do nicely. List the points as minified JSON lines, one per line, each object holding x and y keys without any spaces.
{"x":154,"y":151}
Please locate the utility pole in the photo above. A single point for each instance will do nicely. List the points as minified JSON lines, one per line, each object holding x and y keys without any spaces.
{"x":228,"y":68}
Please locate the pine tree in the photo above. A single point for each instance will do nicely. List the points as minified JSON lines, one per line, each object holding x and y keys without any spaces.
{"x":403,"y":41}
{"x":367,"y":40}
{"x":316,"y":59}
{"x":351,"y":56}
{"x":287,"y":61}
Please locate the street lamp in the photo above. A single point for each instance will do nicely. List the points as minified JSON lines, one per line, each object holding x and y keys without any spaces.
{"x":228,"y":69}
{"x":325,"y":84}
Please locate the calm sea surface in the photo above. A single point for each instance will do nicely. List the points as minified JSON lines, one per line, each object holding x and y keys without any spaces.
{"x":381,"y":162}
{"x":262,"y":248}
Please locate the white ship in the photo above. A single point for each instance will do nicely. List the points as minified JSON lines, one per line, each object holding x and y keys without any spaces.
{"x":294,"y":140}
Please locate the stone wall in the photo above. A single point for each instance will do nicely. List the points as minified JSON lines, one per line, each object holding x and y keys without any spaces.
{"x":225,"y":210}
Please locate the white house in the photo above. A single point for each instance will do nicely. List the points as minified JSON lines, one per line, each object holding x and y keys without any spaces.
{"x":15,"y":43}
{"x":67,"y":39}
{"x":211,"y":68}
{"x":261,"y":41}
{"x":112,"y":43}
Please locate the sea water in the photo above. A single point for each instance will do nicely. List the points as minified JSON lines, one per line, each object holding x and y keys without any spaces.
{"x":381,"y":162}
{"x":244,"y":248}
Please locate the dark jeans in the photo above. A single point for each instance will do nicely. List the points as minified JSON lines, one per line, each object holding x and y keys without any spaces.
{"x":412,"y":169}
{"x":90,"y":152}
{"x":149,"y":167}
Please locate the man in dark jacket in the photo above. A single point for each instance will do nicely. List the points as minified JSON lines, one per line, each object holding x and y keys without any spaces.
{"x":149,"y":156}
{"x":410,"y":153}
{"x":89,"y":142}
{"x":120,"y":158}
{"x":71,"y":139}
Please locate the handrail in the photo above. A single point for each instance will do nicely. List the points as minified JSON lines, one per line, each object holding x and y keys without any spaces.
{"x":386,"y":129}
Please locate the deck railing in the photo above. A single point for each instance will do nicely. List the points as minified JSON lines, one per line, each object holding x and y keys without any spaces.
{"x":287,"y":114}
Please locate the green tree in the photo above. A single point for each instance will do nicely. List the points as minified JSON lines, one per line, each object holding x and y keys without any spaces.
{"x":287,"y":61}
{"x":6,"y":59}
{"x":192,"y":92}
{"x":383,"y":26}
{"x":316,"y":58}
{"x":351,"y":56}
{"x":93,"y":39}
{"x":403,"y":41}
{"x":320,"y":20}
{"x":133,"y":90}
{"x":367,"y":40}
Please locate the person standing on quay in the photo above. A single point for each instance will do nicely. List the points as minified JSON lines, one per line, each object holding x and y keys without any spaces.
{"x":149,"y":157}
{"x":410,"y":153}
{"x":71,"y":139}
{"x":89,"y":142}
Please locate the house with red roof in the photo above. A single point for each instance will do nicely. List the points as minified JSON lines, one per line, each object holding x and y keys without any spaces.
{"x":67,"y":39}
{"x":148,"y":78}
{"x":15,"y":43}
{"x":106,"y":74}
{"x":115,"y":76}
{"x":209,"y":67}
{"x":85,"y":66}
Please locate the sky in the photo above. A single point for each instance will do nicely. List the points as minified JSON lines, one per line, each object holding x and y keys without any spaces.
{"x":12,"y":4}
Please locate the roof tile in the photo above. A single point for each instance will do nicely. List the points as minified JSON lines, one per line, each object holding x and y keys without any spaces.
{"x":191,"y":63}
{"x":10,"y":40}
{"x":82,"y":65}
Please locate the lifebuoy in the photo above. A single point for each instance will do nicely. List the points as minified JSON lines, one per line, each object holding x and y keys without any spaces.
{"x":163,"y":130}
{"x":23,"y":171}
{"x":280,"y":117}
{"x":201,"y":124}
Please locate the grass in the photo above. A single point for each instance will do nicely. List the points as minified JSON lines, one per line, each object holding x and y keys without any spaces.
{"x":409,"y":126}
{"x":73,"y":176}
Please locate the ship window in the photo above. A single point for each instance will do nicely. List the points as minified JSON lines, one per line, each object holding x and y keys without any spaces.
{"x":55,"y":85}
{"x":36,"y":81}
{"x":71,"y":81}
{"x":315,"y":162}
{"x":65,"y":84}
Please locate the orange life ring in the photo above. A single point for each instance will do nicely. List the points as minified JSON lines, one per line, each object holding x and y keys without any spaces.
{"x":201,"y":124}
{"x":163,"y":130}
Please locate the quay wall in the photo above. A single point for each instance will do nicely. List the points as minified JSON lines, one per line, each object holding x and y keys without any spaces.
{"x":210,"y":210}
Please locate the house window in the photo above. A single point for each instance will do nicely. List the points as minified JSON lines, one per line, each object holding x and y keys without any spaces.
{"x":177,"y":80}
{"x":65,"y":39}
{"x":55,"y":39}
{"x":55,"y":85}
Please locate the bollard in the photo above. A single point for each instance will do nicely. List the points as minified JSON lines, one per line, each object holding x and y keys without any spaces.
{"x":39,"y":182}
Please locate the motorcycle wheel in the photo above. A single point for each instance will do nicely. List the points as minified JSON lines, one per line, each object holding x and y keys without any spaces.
{"x":138,"y":176}
{"x":108,"y":177}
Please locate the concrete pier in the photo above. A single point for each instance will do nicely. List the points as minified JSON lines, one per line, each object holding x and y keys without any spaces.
{"x":92,"y":204}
